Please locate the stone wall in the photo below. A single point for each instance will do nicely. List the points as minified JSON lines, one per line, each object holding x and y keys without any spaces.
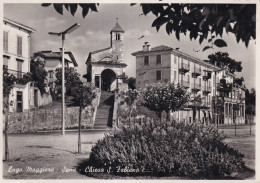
{"x":49,"y":119}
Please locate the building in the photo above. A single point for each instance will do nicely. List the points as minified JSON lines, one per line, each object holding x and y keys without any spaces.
{"x":53,"y":60}
{"x":165,"y":64}
{"x":16,"y":58}
{"x":106,"y":66}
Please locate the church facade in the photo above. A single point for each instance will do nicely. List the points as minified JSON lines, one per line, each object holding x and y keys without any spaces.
{"x":105,"y":67}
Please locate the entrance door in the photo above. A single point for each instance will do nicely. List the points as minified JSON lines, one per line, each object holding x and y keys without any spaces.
{"x":19,"y":101}
{"x":108,"y":77}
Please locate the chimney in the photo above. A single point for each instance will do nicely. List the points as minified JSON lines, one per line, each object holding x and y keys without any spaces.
{"x":146,"y":46}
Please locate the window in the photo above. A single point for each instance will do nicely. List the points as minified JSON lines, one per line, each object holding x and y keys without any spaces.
{"x":158,"y":75}
{"x":117,"y":36}
{"x":19,"y":101}
{"x":199,"y":81}
{"x":19,"y":68}
{"x":175,"y":59}
{"x":19,"y":45}
{"x":50,"y":74}
{"x":158,"y":59}
{"x":188,"y":78}
{"x":146,"y":60}
{"x":175,"y":75}
{"x":5,"y":39}
{"x":6,"y":61}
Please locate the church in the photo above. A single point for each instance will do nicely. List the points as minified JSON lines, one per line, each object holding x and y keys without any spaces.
{"x":105,"y":67}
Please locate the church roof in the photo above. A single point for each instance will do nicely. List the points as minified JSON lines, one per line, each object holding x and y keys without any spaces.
{"x":117,"y":28}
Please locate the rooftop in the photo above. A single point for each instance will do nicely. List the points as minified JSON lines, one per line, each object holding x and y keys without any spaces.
{"x":117,"y":28}
{"x":50,"y":54}
{"x":19,"y":24}
{"x":157,"y":48}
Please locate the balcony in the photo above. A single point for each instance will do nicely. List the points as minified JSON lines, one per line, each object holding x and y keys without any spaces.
{"x":207,"y":90}
{"x":196,"y":88}
{"x":185,"y":84}
{"x":206,"y":105}
{"x":196,"y":72}
{"x":21,"y":77}
{"x":207,"y":76}
{"x":184,"y":68}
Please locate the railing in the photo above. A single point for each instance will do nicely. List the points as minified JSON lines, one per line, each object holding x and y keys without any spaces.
{"x":185,"y":84}
{"x":207,"y":89}
{"x":197,"y":71}
{"x":184,"y":68}
{"x":114,"y":119}
{"x":196,"y":86}
{"x":17,"y":74}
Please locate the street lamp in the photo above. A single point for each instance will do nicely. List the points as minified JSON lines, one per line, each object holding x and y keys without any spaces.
{"x":69,"y":30}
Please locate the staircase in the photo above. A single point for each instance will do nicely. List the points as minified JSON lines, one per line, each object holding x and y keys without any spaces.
{"x":104,"y":113}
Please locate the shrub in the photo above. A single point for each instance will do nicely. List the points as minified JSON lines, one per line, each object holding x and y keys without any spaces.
{"x":167,"y":148}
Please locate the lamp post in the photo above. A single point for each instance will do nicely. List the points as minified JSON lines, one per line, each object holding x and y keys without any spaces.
{"x":62,"y":34}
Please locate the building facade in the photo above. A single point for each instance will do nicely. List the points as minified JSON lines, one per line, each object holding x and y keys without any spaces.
{"x":16,"y":58}
{"x":105,"y":67}
{"x":201,"y":79}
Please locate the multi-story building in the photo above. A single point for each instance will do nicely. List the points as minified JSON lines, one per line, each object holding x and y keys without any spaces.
{"x":201,"y":79}
{"x":16,"y":58}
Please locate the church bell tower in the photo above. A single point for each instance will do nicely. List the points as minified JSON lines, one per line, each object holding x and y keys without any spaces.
{"x":117,"y":36}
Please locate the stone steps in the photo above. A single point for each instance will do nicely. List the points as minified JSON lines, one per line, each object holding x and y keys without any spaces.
{"x":104,"y":112}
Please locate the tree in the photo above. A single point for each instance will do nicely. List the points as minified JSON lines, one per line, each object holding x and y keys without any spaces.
{"x":84,"y":97}
{"x":166,"y":97}
{"x":39,"y":74}
{"x":197,"y":101}
{"x":131,"y":83}
{"x":8,"y":82}
{"x":201,"y":21}
{"x":222,"y":59}
{"x":72,"y":78}
{"x":250,"y":99}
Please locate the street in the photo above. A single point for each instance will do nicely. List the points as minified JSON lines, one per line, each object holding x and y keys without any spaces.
{"x":50,"y":155}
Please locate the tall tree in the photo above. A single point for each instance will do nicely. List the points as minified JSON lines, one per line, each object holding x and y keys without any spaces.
{"x":222,"y":59}
{"x":131,"y":83}
{"x":72,"y":78}
{"x":201,"y":21}
{"x":39,"y":74}
{"x":250,"y":99}
{"x":165,"y":97}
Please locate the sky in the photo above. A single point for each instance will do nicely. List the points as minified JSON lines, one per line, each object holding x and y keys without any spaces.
{"x":94,"y":34}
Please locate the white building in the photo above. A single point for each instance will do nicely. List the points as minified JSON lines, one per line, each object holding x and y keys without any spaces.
{"x":106,"y":66}
{"x":165,"y":64}
{"x":16,"y":57}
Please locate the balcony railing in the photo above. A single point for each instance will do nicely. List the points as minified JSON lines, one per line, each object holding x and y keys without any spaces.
{"x":207,"y":90}
{"x":19,"y":76}
{"x":185,"y":84}
{"x":207,"y":76}
{"x":183,"y":68}
{"x":196,"y":87}
{"x":196,"y":72}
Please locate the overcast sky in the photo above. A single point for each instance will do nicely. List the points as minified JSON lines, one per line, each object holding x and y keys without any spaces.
{"x":94,"y":34}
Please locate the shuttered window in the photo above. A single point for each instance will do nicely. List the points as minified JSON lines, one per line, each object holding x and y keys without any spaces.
{"x":158,"y":75}
{"x":19,"y":45}
{"x":5,"y":41}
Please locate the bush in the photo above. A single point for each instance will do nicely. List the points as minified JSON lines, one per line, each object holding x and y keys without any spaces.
{"x":164,"y":148}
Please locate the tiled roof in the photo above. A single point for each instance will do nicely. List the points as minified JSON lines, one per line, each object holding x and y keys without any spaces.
{"x":97,"y":51}
{"x":19,"y":24}
{"x":157,"y":48}
{"x":110,"y":63}
{"x":50,"y":54}
{"x":117,"y":28}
